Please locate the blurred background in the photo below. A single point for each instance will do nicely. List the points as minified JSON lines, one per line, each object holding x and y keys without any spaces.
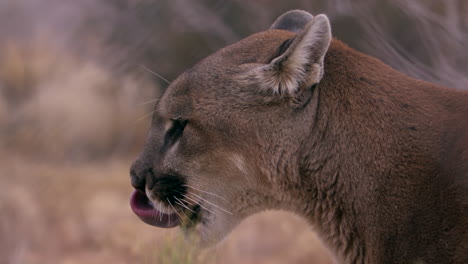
{"x":75,"y":93}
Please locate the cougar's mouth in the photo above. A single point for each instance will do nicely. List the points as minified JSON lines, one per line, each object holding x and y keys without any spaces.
{"x":147,"y":212}
{"x":159,"y":215}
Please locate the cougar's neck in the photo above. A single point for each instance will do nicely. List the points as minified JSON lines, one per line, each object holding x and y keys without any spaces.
{"x":356,"y":136}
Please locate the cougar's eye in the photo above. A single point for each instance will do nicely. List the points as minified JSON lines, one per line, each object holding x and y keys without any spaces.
{"x":175,"y":131}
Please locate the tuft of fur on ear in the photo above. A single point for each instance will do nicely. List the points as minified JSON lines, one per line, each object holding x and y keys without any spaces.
{"x":301,"y":65}
{"x":293,"y":21}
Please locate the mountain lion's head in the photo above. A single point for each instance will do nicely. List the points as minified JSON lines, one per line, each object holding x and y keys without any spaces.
{"x":226,"y":137}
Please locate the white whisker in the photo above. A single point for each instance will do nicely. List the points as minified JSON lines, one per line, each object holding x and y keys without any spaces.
{"x":162,"y":78}
{"x":215,"y":205}
{"x":149,"y":102}
{"x":150,"y":113}
{"x":182,"y":204}
{"x":160,"y":212}
{"x":189,"y":202}
{"x":177,"y":213}
{"x":188,"y":218}
{"x":214,"y":194}
{"x":199,"y":204}
{"x":154,"y":213}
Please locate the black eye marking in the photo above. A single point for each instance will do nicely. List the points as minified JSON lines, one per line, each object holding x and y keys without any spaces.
{"x":174,"y":133}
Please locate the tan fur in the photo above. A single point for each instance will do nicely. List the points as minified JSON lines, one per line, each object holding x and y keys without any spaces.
{"x":375,"y":160}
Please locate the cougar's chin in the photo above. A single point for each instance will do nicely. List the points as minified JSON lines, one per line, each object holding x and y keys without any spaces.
{"x":211,"y":231}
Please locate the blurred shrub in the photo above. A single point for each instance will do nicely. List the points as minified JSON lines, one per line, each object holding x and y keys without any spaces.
{"x":423,"y":38}
{"x":53,"y":104}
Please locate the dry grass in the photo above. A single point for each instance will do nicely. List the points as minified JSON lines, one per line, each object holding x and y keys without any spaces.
{"x":66,"y":214}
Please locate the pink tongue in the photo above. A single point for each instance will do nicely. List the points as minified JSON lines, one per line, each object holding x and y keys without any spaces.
{"x":146,"y":212}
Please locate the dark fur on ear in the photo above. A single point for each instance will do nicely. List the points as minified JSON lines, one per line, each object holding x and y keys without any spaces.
{"x":294,"y":21}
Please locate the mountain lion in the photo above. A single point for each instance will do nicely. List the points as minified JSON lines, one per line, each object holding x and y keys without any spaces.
{"x":295,"y":120}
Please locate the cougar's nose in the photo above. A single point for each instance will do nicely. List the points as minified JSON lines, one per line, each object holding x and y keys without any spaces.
{"x":140,"y":174}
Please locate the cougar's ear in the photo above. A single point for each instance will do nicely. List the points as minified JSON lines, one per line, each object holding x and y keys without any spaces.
{"x":301,"y":65}
{"x":294,"y":21}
